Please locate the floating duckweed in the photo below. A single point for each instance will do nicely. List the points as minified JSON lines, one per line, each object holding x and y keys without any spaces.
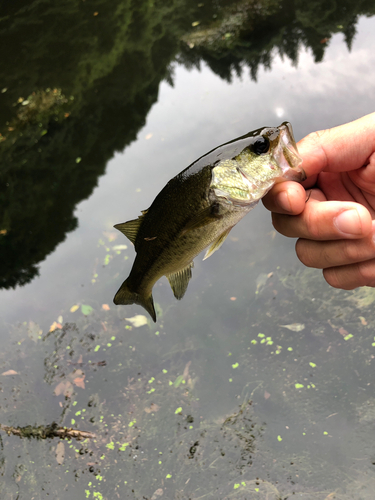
{"x":151,"y":390}
{"x":97,"y":348}
{"x":123,"y":446}
{"x":261,"y":335}
{"x":254,"y":341}
{"x":290,"y":348}
{"x":164,"y":370}
{"x":237,"y":485}
{"x":73,"y":421}
{"x":235,"y":365}
{"x":168,"y":476}
{"x":111,"y":445}
{"x":325,"y":433}
{"x":157,"y":333}
{"x":299,"y":386}
{"x":279,"y":438}
{"x":151,"y":380}
{"x":178,"y":410}
{"x":313,"y":365}
{"x":349,"y":336}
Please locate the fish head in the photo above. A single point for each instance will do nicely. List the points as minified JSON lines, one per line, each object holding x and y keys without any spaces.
{"x":261,"y":159}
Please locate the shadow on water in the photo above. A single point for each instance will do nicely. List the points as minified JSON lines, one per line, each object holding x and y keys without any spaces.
{"x":253,"y":411}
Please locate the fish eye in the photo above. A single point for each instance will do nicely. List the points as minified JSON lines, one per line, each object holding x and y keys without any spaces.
{"x":261,"y":146}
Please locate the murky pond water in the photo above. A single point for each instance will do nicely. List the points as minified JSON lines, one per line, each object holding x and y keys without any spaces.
{"x":259,"y":384}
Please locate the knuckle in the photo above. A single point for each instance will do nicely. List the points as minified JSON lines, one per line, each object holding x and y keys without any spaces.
{"x":313,"y":224}
{"x":350,"y":251}
{"x":366,"y":273}
{"x":305,"y":253}
{"x":281,"y":224}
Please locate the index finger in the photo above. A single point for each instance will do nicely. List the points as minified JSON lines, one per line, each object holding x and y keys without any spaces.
{"x":339,"y":149}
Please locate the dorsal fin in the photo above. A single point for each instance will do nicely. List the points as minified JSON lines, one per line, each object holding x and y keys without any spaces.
{"x":216,"y":244}
{"x":179,"y":281}
{"x":130,"y":228}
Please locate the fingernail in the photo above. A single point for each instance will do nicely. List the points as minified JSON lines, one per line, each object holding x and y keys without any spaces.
{"x":348,"y":222}
{"x":283,"y":201}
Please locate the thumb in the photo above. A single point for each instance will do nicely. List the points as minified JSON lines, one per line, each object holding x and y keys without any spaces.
{"x":340,"y":149}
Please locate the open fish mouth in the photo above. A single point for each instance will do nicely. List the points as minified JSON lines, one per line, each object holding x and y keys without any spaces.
{"x":287,"y":157}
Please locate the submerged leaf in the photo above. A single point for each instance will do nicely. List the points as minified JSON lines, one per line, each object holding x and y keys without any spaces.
{"x":295,"y":327}
{"x":65,"y":388}
{"x":138,"y":320}
{"x":86,"y":309}
{"x":74,"y":308}
{"x":34,"y":332}
{"x":55,"y":326}
{"x":9,"y":372}
{"x":79,"y":382}
{"x":60,"y":452}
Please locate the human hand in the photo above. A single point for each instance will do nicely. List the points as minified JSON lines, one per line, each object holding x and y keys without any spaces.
{"x":333,"y":211}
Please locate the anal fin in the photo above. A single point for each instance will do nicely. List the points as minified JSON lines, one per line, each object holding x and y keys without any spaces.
{"x":216,"y":244}
{"x":179,"y":281}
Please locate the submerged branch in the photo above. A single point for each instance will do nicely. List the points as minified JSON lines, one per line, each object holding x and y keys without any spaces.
{"x":46,"y":431}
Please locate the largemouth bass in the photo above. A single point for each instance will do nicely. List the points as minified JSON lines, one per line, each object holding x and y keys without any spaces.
{"x":198,"y":208}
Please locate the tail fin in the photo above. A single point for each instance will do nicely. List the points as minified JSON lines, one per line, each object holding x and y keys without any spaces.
{"x":125,"y":296}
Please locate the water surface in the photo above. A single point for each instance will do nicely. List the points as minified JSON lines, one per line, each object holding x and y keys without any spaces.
{"x":259,"y":384}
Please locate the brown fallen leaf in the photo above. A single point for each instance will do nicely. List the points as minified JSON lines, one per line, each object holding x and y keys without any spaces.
{"x":65,"y":388}
{"x":157,"y":493}
{"x":79,"y":382}
{"x":55,"y":326}
{"x":343,"y":332}
{"x":363,"y":320}
{"x":152,"y":408}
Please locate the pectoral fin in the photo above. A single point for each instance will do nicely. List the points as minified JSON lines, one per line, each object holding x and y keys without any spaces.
{"x":202,"y":218}
{"x":130,"y":228}
{"x":216,"y":244}
{"x":179,"y":281}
